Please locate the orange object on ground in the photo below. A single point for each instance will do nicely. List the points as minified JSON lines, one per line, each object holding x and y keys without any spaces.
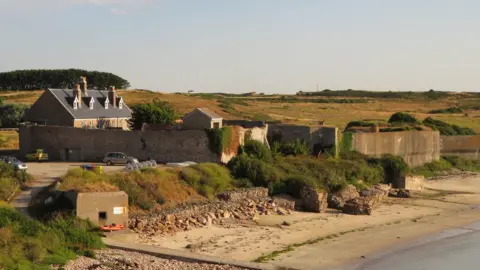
{"x":113,"y":227}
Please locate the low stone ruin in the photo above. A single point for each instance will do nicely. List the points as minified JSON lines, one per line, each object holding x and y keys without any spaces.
{"x":367,"y":201}
{"x":245,"y":204}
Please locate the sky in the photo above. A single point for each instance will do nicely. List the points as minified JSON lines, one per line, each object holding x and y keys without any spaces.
{"x":270,"y":46}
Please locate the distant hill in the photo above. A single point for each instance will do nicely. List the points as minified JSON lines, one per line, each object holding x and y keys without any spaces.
{"x":35,"y":79}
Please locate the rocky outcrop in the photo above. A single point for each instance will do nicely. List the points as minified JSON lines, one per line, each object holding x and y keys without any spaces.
{"x":314,"y":200}
{"x":368,"y":200}
{"x":400,"y":193}
{"x":357,"y":206}
{"x":285,"y":201}
{"x":338,"y":199}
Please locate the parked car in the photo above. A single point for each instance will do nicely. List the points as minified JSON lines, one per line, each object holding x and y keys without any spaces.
{"x":112,"y":158}
{"x":17,"y":164}
{"x":38,"y":155}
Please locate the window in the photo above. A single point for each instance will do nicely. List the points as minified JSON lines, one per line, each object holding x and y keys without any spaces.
{"x":216,"y":125}
{"x":120,"y":104}
{"x":102,"y":215}
{"x":75,"y":105}
{"x":91,"y":104}
{"x":118,"y":210}
{"x":106,"y":103}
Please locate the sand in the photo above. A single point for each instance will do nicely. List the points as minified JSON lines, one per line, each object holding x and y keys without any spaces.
{"x":315,"y":241}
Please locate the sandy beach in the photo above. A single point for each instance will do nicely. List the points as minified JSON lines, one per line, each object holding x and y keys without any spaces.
{"x":317,"y":241}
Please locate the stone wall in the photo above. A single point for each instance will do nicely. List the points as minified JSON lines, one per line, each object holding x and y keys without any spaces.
{"x":62,"y":143}
{"x":415,"y":147}
{"x":92,"y":144}
{"x":317,"y":138}
{"x":463,"y":146}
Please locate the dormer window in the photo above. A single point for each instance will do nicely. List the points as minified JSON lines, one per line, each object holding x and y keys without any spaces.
{"x":106,"y":103}
{"x":75,"y":103}
{"x":120,"y":103}
{"x":91,"y":103}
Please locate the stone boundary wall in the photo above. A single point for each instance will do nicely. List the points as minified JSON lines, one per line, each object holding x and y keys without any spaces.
{"x":463,"y":146}
{"x":162,"y":145}
{"x":415,"y":147}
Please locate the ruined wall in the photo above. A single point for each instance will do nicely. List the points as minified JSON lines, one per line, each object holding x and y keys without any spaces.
{"x":415,"y":147}
{"x":289,"y":133}
{"x":324,"y":138}
{"x":463,"y":146}
{"x":317,"y":138}
{"x":92,"y":144}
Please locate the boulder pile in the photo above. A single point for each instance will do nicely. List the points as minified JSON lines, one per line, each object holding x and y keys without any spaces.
{"x":400,"y":193}
{"x":205,"y":214}
{"x":367,"y":201}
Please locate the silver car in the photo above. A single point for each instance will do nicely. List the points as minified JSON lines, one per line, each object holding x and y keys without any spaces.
{"x":112,"y":158}
{"x":17,"y":164}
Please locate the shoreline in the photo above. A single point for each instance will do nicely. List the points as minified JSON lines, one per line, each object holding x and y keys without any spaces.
{"x":331,"y":240}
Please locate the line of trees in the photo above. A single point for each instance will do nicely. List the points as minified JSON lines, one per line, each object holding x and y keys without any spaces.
{"x":36,"y":79}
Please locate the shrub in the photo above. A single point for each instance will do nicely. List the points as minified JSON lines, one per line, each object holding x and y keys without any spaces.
{"x":29,"y":244}
{"x":157,"y":112}
{"x":293,"y":148}
{"x":208,"y":179}
{"x":393,"y":166}
{"x":403,"y":118}
{"x":446,"y":128}
{"x":447,"y":110}
{"x":360,"y":124}
{"x":257,"y":150}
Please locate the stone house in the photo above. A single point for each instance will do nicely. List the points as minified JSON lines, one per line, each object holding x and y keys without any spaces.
{"x":101,"y":208}
{"x":81,"y":108}
{"x":202,"y":118}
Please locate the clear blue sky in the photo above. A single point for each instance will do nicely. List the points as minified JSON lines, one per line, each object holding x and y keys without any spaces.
{"x":251,"y":45}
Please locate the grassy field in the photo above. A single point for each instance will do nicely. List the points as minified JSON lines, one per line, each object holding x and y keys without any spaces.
{"x":8,"y":140}
{"x":304,"y":110}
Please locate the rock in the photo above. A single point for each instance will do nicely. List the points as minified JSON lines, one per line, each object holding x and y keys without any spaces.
{"x":240,"y":195}
{"x":286,"y":223}
{"x":357,"y":206}
{"x":314,"y":200}
{"x":202,"y":220}
{"x":400,"y":193}
{"x":285,"y":201}
{"x":226,"y":214}
{"x":192,"y":246}
{"x":139,"y":224}
{"x":209,"y":221}
{"x":338,"y":199}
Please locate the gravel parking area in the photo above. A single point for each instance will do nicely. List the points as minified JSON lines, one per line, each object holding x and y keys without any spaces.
{"x":58,"y":169}
{"x":119,"y":259}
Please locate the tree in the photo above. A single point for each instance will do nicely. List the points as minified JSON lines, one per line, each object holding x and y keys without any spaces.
{"x":36,"y":79}
{"x":157,"y":112}
{"x":11,"y":115}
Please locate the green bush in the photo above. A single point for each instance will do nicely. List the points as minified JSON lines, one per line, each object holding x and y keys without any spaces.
{"x":360,"y":124}
{"x":447,"y":110}
{"x":446,"y":128}
{"x":257,"y":150}
{"x":445,"y":165}
{"x":394,"y":167}
{"x":29,"y":244}
{"x":292,"y":148}
{"x":208,"y":179}
{"x":402,"y":118}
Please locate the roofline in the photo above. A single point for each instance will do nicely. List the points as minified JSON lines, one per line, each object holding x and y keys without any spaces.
{"x":123,"y":117}
{"x":50,"y":90}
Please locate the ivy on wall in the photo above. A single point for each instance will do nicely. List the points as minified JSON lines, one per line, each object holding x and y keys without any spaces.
{"x":220,"y":139}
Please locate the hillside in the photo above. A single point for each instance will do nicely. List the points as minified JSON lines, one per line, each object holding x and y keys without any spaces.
{"x":307,"y":110}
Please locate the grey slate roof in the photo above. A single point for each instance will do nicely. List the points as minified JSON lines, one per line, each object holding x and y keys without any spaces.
{"x":66,"y":98}
{"x":209,"y":113}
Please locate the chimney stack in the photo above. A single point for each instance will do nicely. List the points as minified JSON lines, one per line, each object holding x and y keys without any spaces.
{"x":83,"y":82}
{"x":78,"y":93}
{"x":112,"y":96}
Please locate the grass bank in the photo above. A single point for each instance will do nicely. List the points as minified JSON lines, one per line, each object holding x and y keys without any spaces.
{"x":447,"y":165}
{"x":30,"y":244}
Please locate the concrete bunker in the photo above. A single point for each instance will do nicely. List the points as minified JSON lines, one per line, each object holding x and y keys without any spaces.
{"x":101,"y":208}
